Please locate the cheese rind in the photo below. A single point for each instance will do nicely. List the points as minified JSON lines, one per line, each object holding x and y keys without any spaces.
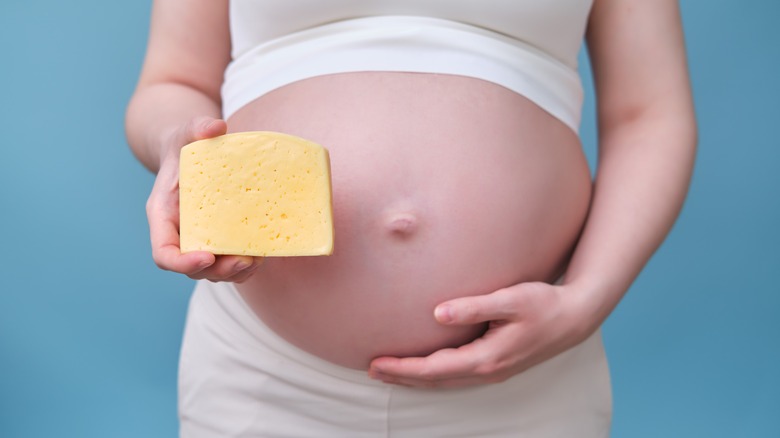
{"x":255,"y":193}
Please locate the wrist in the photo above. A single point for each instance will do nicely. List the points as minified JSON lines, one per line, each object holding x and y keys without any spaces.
{"x":589,"y":303}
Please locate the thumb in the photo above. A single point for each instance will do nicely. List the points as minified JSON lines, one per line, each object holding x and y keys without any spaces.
{"x":204,"y":127}
{"x":198,"y":128}
{"x":495,"y":306}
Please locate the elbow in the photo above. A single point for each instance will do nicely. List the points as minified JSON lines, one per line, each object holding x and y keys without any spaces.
{"x":670,"y":122}
{"x":688,"y":132}
{"x":133,"y":131}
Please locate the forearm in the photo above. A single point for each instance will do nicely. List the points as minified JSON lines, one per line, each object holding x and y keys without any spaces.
{"x":156,"y":111}
{"x":644,"y":170}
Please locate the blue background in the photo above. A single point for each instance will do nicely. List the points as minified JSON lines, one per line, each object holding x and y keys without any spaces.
{"x":89,"y":328}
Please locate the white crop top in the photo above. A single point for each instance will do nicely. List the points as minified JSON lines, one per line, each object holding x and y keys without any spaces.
{"x":527,"y":46}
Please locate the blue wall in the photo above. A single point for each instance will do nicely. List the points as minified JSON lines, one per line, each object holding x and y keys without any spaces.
{"x":89,"y":328}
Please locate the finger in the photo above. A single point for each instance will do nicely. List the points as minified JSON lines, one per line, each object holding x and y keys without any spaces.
{"x":445,"y":364}
{"x":495,"y":306}
{"x":450,"y":368}
{"x":169,"y":257}
{"x":247,"y":273}
{"x":461,"y":382}
{"x":487,"y":359}
{"x":198,"y":128}
{"x":412,"y":371}
{"x":164,"y":236}
{"x":224,"y":268}
{"x":202,"y":127}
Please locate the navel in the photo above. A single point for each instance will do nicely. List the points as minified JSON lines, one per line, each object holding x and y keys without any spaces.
{"x":401,"y":224}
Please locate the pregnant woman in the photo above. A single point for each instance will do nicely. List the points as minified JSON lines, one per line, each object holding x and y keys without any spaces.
{"x":475,"y":257}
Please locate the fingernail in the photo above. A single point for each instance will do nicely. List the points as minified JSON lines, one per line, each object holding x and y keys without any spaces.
{"x":204,"y":263}
{"x":240,"y":266}
{"x":212,"y":124}
{"x":443,"y":313}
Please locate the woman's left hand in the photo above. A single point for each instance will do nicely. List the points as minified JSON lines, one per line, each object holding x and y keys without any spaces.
{"x":528,"y":323}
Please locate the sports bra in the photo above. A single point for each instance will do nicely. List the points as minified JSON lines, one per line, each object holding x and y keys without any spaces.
{"x":527,"y":46}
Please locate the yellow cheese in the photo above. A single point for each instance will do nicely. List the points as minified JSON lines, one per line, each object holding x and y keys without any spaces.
{"x":255,"y":193}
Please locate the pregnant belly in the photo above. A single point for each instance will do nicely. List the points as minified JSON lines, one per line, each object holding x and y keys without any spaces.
{"x":443,"y":187}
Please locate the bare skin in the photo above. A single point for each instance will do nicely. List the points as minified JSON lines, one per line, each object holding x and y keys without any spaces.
{"x":442,"y":188}
{"x":390,"y":224}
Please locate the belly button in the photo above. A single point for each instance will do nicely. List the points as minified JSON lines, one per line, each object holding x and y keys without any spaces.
{"x":401,"y":224}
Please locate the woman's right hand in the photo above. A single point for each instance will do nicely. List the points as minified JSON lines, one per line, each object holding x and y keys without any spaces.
{"x":162,"y":211}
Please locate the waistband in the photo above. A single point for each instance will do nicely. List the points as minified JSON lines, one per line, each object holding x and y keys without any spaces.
{"x":405,"y":44}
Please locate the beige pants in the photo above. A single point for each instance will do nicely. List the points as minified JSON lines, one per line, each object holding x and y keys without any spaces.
{"x":237,"y":378}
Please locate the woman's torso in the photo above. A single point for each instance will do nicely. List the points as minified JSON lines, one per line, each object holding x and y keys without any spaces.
{"x":444,"y":186}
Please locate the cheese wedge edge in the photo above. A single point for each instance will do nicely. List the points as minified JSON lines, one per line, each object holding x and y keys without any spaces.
{"x":256,"y":193}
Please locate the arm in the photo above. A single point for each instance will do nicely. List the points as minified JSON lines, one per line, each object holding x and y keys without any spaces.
{"x":188,"y":50}
{"x":646,"y":153}
{"x":646,"y":146}
{"x":177,"y":101}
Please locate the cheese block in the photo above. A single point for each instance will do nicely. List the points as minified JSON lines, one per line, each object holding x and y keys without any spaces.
{"x":255,"y":193}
